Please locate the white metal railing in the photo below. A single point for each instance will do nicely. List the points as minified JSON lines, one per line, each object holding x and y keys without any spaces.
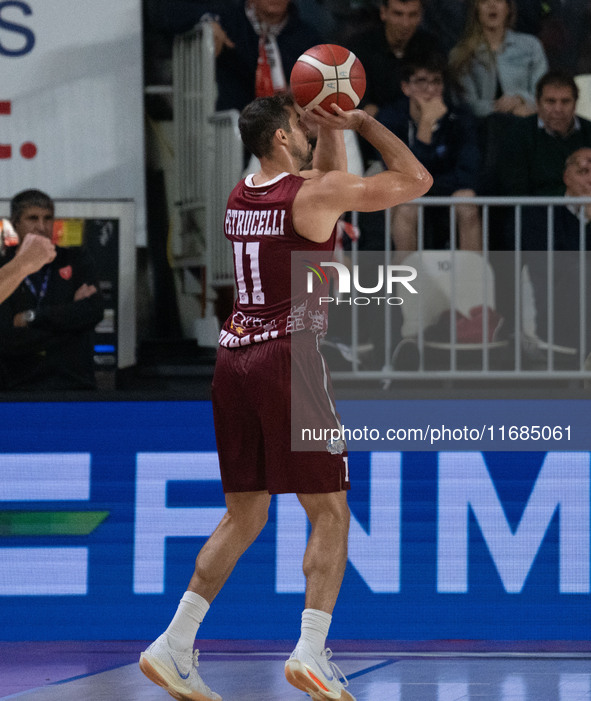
{"x":523,"y":355}
{"x":209,"y":158}
{"x":228,"y":157}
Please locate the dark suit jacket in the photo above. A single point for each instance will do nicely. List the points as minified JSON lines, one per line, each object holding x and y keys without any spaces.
{"x":236,"y":68}
{"x":531,"y":161}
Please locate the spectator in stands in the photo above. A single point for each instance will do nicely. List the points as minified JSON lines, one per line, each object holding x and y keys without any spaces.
{"x":566,"y":241}
{"x":383,"y":50}
{"x":533,"y":153}
{"x":46,"y":325}
{"x":497,"y":68}
{"x":443,"y":137}
{"x":257,"y":43}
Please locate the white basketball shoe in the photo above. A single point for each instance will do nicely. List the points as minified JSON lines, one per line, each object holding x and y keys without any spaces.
{"x":316,"y":675}
{"x":176,"y":672}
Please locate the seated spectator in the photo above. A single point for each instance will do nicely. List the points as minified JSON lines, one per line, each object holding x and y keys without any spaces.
{"x":532,"y":154}
{"x":383,"y":50}
{"x":496,"y":67}
{"x":46,"y":325}
{"x":577,"y":182}
{"x":257,"y":43}
{"x":565,"y":242}
{"x":443,"y":137}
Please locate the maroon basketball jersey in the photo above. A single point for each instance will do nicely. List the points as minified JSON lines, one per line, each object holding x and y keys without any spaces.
{"x":259,"y":226}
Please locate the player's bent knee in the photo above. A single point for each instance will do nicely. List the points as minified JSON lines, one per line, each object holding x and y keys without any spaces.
{"x":328,"y":511}
{"x":249,"y":525}
{"x":247,"y":516}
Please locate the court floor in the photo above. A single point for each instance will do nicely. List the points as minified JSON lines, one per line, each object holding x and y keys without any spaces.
{"x":108,"y":671}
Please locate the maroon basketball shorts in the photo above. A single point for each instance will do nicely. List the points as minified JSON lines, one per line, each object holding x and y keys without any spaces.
{"x":251,"y":395}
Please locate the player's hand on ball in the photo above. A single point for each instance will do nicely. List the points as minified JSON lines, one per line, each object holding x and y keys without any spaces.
{"x":338,"y":119}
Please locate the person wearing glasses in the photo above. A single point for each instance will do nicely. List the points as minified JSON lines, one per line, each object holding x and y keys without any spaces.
{"x":443,"y":137}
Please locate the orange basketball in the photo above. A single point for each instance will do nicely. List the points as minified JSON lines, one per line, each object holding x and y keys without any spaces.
{"x":325,"y":74}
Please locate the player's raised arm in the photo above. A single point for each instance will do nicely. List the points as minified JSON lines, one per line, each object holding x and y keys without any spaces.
{"x":322,"y":200}
{"x":405,"y":178}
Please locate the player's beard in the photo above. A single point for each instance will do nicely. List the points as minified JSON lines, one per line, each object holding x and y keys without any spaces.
{"x":304,"y":158}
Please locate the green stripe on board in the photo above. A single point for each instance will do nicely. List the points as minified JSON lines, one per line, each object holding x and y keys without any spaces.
{"x":43,"y":523}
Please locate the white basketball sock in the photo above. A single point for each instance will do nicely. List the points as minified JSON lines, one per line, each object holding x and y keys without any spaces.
{"x":186,"y":621}
{"x":315,"y":625}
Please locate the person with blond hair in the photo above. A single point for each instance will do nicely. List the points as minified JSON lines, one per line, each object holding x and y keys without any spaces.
{"x":496,"y":67}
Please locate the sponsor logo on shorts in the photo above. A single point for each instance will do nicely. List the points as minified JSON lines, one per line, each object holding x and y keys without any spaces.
{"x":336,"y":447}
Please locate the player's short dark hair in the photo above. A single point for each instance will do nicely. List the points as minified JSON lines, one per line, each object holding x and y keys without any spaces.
{"x":432,"y":61}
{"x":558,"y":78}
{"x":260,"y":119}
{"x":29,"y":198}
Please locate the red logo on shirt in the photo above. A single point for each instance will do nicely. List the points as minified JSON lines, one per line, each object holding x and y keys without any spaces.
{"x":66,"y":273}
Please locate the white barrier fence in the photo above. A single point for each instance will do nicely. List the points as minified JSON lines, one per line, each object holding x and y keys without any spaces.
{"x":543,"y":295}
{"x":209,"y":159}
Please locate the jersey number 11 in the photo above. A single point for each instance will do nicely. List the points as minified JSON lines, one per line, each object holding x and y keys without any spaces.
{"x":249,"y":258}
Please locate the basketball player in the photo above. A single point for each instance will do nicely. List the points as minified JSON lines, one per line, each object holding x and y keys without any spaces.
{"x":281,"y":209}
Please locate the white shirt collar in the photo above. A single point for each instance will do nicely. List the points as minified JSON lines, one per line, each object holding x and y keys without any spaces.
{"x":575,"y":127}
{"x":249,"y":180}
{"x":575,"y":209}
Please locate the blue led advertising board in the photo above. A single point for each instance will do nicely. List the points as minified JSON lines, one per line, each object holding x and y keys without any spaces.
{"x":104,"y":506}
